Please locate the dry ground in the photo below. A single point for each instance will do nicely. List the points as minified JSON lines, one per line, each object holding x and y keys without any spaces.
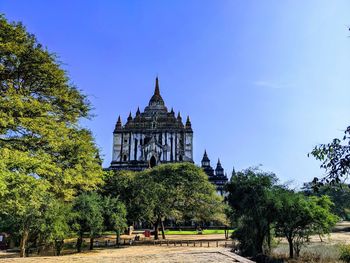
{"x":164,"y":253}
{"x":138,"y":254}
{"x":326,"y":251}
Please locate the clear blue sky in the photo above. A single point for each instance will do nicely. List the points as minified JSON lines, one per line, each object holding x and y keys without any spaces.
{"x":263,"y":81}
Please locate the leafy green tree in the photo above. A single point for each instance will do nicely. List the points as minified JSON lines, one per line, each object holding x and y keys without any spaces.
{"x":339,"y":195}
{"x":175,"y":191}
{"x":23,"y":204}
{"x":44,"y":153}
{"x":252,"y":201}
{"x":54,"y":225}
{"x":88,"y":217}
{"x":39,"y":115}
{"x":335,"y":158}
{"x":171,"y":191}
{"x":114,"y":216}
{"x":298,"y":217}
{"x":121,"y":185}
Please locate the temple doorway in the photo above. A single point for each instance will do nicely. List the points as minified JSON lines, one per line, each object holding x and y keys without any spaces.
{"x":152,"y":162}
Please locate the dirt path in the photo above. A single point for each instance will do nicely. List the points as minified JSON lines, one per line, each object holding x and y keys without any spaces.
{"x":138,"y":254}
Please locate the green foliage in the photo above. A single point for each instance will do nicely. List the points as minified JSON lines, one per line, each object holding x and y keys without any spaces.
{"x":298,"y":217}
{"x":24,"y":203}
{"x":46,"y":158}
{"x":88,"y":216}
{"x":180,"y":190}
{"x":121,"y":185}
{"x":177,"y":191}
{"x":39,"y":115}
{"x":252,"y":202}
{"x":259,"y":206}
{"x":345,"y":253}
{"x":114,"y":215}
{"x":54,"y":225}
{"x":339,"y":195}
{"x":335,"y":158}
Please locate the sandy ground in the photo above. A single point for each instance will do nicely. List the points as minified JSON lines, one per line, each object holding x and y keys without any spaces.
{"x":138,"y":254}
{"x":167,"y":252}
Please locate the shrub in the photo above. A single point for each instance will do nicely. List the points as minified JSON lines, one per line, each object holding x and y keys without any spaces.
{"x":345,"y":253}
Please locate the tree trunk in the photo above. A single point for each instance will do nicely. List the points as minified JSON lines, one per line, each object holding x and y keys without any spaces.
{"x":39,"y":245}
{"x":156,"y":230}
{"x":91,"y":243}
{"x":319,"y":235}
{"x":291,"y":250}
{"x":260,"y":246}
{"x":260,"y":243}
{"x":23,"y":243}
{"x":163,"y":232}
{"x":79,"y":242}
{"x":259,"y":239}
{"x":269,"y":238}
{"x":117,"y":238}
{"x":58,"y":246}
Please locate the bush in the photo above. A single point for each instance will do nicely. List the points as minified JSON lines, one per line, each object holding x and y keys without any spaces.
{"x":345,"y":253}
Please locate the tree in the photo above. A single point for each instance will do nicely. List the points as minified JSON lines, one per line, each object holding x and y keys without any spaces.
{"x":177,"y":191}
{"x":88,"y":217}
{"x":114,"y":216}
{"x":335,"y":158}
{"x":121,"y":185}
{"x":54,"y":225}
{"x":23,"y":204}
{"x":339,"y":195}
{"x":169,"y":191}
{"x":44,"y":153}
{"x":298,"y":217}
{"x":252,"y":201}
{"x":39,"y":115}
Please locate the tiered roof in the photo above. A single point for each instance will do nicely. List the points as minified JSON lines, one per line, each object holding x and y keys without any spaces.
{"x":155,"y":116}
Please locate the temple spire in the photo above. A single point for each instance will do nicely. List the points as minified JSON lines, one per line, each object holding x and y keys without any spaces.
{"x":156,"y":90}
{"x":118,"y":125}
{"x":188,"y":123}
{"x":130,"y":117}
{"x":205,"y":160}
{"x":157,"y":99}
{"x":179,"y":116}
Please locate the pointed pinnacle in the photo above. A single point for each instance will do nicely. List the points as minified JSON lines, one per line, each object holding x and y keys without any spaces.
{"x":156,"y":90}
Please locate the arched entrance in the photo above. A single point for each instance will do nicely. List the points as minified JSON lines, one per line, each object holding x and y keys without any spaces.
{"x":152,"y":162}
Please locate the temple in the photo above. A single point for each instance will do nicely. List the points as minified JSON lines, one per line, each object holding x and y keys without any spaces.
{"x":152,"y":137}
{"x":156,"y":136}
{"x":217,"y":177}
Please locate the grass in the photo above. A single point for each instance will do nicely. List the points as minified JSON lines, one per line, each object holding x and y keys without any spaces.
{"x":311,"y":253}
{"x":184,"y":232}
{"x":194,"y":232}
